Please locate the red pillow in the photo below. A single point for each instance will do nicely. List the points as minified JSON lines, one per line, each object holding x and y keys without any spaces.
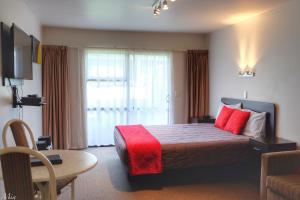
{"x":223,"y":117}
{"x":237,"y":121}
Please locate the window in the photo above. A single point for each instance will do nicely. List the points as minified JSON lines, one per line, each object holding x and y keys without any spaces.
{"x":125,"y":87}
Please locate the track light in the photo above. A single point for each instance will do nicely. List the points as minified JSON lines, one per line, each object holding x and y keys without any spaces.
{"x":165,"y":5}
{"x":159,"y":5}
{"x":156,"y":11}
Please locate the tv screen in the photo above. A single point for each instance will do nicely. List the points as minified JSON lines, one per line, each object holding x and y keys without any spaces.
{"x":22,"y":54}
{"x":6,"y":59}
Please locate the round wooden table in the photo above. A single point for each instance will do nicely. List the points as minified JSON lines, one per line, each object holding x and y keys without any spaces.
{"x":73,"y":164}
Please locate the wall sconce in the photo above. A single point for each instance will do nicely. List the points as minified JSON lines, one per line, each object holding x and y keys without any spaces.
{"x":247,"y":72}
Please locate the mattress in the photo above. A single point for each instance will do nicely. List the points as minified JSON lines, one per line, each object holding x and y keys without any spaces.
{"x":193,"y":145}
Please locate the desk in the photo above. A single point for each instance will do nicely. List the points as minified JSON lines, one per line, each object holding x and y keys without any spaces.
{"x":74,"y":163}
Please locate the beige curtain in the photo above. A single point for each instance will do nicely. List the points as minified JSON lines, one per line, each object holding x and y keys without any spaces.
{"x":179,"y":114}
{"x":56,"y":112}
{"x":78,"y":138}
{"x":197,"y":79}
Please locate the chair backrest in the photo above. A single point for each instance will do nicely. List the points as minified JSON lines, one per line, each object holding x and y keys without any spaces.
{"x":16,"y":172}
{"x":19,"y":133}
{"x":17,"y":175}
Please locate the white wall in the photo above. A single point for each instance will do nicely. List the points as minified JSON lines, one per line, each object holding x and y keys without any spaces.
{"x":176,"y":42}
{"x":271,"y":43}
{"x":16,"y":11}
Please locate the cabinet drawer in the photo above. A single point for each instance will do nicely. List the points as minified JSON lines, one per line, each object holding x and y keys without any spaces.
{"x":257,"y":146}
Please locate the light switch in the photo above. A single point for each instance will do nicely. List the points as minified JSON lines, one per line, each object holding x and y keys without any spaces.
{"x":245,"y":94}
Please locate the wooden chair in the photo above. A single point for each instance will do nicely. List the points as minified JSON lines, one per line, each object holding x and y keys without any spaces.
{"x":19,"y":134}
{"x":16,"y":171}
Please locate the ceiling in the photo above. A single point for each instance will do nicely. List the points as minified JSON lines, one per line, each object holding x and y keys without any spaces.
{"x":137,"y":15}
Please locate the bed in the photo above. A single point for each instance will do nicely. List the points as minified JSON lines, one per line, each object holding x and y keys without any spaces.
{"x":195,"y":145}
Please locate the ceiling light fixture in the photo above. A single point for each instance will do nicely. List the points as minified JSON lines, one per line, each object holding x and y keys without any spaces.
{"x":159,"y":5}
{"x":156,"y":11}
{"x":165,"y":5}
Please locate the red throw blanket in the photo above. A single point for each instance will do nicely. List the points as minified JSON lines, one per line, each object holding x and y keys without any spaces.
{"x":144,"y":150}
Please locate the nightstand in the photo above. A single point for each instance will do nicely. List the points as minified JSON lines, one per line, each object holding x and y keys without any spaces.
{"x":265,"y":145}
{"x":205,"y":119}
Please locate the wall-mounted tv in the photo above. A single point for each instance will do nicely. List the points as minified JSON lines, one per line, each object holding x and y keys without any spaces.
{"x":22,"y":62}
{"x":6,"y":58}
{"x":16,"y":54}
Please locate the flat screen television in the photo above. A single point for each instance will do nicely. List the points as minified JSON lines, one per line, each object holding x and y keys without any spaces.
{"x":6,"y":58}
{"x":22,"y":55}
{"x":15,"y":55}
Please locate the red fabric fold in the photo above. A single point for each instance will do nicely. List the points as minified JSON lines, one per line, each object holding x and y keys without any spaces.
{"x":144,"y":150}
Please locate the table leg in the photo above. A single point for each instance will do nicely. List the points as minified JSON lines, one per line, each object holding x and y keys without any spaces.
{"x":44,"y":189}
{"x":73,"y":190}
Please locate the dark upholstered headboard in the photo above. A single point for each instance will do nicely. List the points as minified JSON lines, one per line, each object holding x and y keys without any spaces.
{"x":257,"y":106}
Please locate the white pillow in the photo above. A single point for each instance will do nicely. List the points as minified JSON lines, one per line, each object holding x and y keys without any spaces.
{"x":256,"y":124}
{"x":235,"y":106}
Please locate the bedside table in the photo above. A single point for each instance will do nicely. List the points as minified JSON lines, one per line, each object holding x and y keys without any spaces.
{"x":203,"y":120}
{"x":265,"y":145}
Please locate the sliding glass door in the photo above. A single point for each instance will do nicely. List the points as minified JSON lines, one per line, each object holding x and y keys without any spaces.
{"x":125,"y":87}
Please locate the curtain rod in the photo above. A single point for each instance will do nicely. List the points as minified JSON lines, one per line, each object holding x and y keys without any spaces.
{"x":123,"y":48}
{"x":147,"y":49}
